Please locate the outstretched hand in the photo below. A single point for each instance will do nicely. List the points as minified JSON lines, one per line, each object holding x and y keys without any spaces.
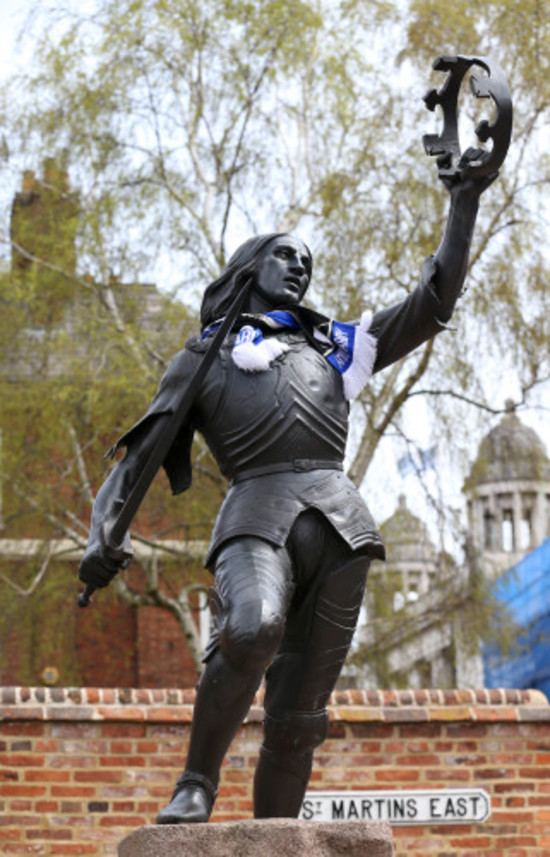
{"x":468,"y":175}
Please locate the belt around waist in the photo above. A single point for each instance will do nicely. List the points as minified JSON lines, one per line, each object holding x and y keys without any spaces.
{"x":299,"y":465}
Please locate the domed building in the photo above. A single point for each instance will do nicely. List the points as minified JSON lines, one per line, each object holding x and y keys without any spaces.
{"x":413,"y":562}
{"x":404,"y":643}
{"x":411,"y":639}
{"x":508,"y":492}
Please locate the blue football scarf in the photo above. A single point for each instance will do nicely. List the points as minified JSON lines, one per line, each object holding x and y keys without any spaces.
{"x":349,"y":348}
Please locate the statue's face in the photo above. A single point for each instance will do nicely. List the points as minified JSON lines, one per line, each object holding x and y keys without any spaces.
{"x":283,"y":274}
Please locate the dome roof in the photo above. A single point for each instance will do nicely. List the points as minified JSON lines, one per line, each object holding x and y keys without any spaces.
{"x":407,"y":536}
{"x":511,"y":450}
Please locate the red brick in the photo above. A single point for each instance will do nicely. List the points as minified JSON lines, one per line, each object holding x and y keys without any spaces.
{"x":130,"y":821}
{"x":510,"y":842}
{"x":22,"y":760}
{"x":449,"y":775}
{"x":370,"y":730}
{"x":421,"y":730}
{"x":73,"y":761}
{"x":419,"y":760}
{"x":103,"y":776}
{"x":405,"y":715}
{"x":120,"y":713}
{"x":46,"y":806}
{"x":21,"y":805}
{"x":471,"y":842}
{"x":123,"y":730}
{"x":22,"y":791}
{"x":535,"y":773}
{"x":44,"y":833}
{"x":68,"y":712}
{"x":515,"y":786}
{"x":46,"y":776}
{"x":134,"y":761}
{"x":496,"y":714}
{"x":122,"y":747}
{"x":11,"y":835}
{"x":183,"y":714}
{"x":72,"y":791}
{"x":123,"y":806}
{"x":513,"y":817}
{"x":47,"y":745}
{"x":71,"y":806}
{"x":12,"y":712}
{"x":471,"y":731}
{"x":493,"y":773}
{"x":76,"y":848}
{"x":396,"y":776}
{"x":513,"y":801}
{"x":75,"y":730}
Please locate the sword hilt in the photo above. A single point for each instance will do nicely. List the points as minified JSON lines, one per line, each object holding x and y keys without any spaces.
{"x":85,"y":597}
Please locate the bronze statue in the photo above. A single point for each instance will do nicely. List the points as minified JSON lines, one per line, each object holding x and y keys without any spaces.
{"x":293,"y":540}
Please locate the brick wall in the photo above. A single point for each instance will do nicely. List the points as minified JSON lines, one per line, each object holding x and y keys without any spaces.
{"x":116,"y":645}
{"x":80,"y":769}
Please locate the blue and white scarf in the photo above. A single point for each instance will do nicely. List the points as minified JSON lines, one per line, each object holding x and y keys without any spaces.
{"x":349,"y":348}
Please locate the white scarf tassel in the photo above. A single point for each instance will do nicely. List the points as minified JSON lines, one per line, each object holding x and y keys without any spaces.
{"x":258,"y":356}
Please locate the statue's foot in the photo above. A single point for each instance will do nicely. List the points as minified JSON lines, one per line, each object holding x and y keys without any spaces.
{"x":192,"y":801}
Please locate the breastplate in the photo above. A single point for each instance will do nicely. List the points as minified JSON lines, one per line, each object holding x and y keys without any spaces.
{"x":295,"y":410}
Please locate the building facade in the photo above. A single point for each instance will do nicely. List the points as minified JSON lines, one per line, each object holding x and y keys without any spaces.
{"x":421,"y":607}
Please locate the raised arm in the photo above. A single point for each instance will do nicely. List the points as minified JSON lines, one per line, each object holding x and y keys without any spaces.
{"x":452,"y":255}
{"x":401,"y":328}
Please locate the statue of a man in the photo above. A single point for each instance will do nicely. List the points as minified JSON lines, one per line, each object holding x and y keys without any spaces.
{"x":293,"y":540}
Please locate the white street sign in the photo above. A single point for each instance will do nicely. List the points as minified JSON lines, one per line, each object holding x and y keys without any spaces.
{"x":436,"y":806}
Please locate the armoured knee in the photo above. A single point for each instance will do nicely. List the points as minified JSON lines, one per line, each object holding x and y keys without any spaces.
{"x":299,"y":732}
{"x":251,"y":638}
{"x":289,"y":743}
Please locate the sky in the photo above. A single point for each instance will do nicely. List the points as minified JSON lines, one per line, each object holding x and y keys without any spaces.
{"x":12,"y":16}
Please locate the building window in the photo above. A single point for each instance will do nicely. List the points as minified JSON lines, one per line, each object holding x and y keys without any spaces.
{"x":488,"y":529}
{"x":508,"y":535}
{"x":398,"y":601}
{"x":525,"y":532}
{"x":412,"y":594}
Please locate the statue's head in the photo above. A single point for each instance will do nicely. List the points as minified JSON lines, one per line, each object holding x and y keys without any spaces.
{"x":281,"y":266}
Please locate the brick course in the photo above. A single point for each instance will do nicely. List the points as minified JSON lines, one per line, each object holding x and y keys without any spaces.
{"x":81,"y":768}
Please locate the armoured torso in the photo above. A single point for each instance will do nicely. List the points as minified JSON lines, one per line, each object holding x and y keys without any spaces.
{"x":280,"y":435}
{"x":294,"y":412}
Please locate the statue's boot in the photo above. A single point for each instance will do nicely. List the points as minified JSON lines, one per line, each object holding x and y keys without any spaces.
{"x":224,"y":696}
{"x":192,"y":800}
{"x":279,"y":791}
{"x":284,"y":766}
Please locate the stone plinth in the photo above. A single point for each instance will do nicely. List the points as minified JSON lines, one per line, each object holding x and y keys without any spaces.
{"x":280,"y":837}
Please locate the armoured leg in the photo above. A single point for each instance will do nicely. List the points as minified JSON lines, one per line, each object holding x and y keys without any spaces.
{"x":284,"y":766}
{"x":252,"y":591}
{"x":319,"y":631}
